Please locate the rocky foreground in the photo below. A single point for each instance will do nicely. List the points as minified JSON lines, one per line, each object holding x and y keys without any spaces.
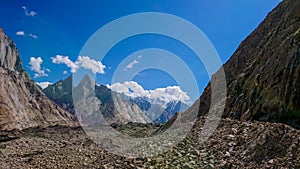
{"x":234,"y":144}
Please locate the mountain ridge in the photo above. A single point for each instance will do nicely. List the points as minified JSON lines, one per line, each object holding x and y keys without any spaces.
{"x":263,"y":73}
{"x":61,"y":93}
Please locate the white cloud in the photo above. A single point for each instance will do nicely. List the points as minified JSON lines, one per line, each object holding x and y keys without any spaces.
{"x":48,"y":70}
{"x":131,"y":64}
{"x":90,"y":64}
{"x":132,"y":89}
{"x":65,"y":72}
{"x":20,"y":33}
{"x":43,"y":85}
{"x":58,"y":59}
{"x":27,"y":12}
{"x":35,"y":65}
{"x":82,"y":61}
{"x":157,"y":96}
{"x":168,"y":94}
{"x":33,"y":36}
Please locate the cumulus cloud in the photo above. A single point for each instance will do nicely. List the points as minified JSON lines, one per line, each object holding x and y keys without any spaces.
{"x":43,"y":85}
{"x":35,"y":65}
{"x":157,"y":96}
{"x":27,"y":12}
{"x":20,"y":33}
{"x":90,"y":64}
{"x":58,"y":59}
{"x":82,"y":61}
{"x":132,"y":89}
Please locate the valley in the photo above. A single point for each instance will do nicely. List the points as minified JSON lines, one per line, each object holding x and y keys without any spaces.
{"x":63,"y":125}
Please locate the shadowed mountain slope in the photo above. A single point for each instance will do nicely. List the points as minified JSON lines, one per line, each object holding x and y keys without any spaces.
{"x":263,"y":74}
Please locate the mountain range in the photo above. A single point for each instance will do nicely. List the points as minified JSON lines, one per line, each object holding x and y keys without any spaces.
{"x":61,"y":93}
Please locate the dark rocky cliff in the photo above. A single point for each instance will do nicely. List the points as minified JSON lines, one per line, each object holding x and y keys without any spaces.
{"x":263,"y":75}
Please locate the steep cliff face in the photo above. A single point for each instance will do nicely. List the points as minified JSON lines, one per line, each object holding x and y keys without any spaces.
{"x":22,"y":103}
{"x":61,"y":93}
{"x":263,"y":75}
{"x":9,"y":55}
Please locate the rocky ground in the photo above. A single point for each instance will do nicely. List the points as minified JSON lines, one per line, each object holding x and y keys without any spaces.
{"x":239,"y":144}
{"x":234,"y":144}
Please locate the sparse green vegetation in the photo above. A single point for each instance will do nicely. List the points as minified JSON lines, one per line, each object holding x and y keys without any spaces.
{"x":297,"y":36}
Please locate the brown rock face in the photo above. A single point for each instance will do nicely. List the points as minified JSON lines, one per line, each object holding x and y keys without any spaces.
{"x":263,"y":75}
{"x":22,"y":103}
{"x":9,"y":55}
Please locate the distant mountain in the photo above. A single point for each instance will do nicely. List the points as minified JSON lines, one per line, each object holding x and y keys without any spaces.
{"x":170,"y":111}
{"x":113,"y":107}
{"x":263,"y":75}
{"x":61,"y":93}
{"x":142,"y":103}
{"x":22,"y":103}
{"x":158,"y":112}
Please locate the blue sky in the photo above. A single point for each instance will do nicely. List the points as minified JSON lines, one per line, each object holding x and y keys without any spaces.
{"x":50,"y":28}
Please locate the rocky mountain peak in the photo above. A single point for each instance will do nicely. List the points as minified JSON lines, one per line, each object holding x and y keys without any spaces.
{"x":9,"y":55}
